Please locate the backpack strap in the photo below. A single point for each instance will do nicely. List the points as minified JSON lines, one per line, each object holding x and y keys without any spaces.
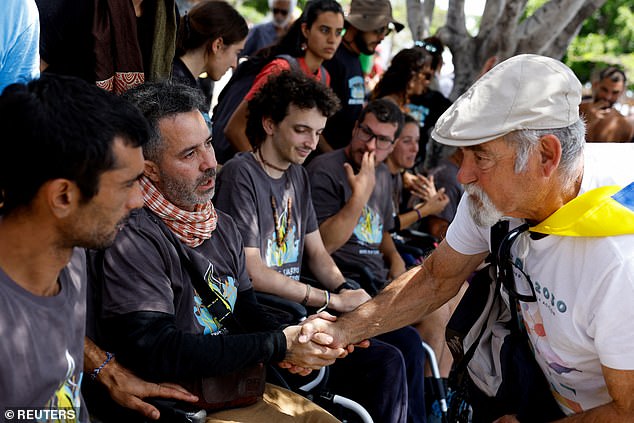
{"x":295,"y":67}
{"x":498,"y":231}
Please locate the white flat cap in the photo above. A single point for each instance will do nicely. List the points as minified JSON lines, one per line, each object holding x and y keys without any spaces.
{"x":524,"y":92}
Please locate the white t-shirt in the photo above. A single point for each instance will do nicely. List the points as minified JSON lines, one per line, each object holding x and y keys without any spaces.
{"x":584,"y":314}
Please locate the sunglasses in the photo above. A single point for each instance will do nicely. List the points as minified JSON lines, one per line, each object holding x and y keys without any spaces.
{"x":384,"y":30}
{"x":282,"y":12}
{"x":429,"y":47}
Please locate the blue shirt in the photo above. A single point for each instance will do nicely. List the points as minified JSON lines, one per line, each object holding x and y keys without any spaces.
{"x":19,"y":42}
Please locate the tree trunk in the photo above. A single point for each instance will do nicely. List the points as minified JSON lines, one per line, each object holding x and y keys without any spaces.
{"x":419,"y":15}
{"x":548,"y":31}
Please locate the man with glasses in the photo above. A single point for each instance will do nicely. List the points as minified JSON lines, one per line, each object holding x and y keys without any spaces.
{"x":526,"y":161}
{"x":268,"y":33}
{"x":367,"y":24}
{"x":352,"y":196}
{"x":605,"y":123}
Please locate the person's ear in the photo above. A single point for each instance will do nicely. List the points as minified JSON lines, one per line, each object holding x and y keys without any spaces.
{"x":268,"y":125}
{"x":151,"y":171}
{"x":305,"y":30}
{"x":216,"y":45}
{"x":62,"y":196}
{"x":550,"y":154}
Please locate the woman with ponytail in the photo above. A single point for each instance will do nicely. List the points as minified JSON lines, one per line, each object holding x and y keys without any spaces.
{"x":209,"y":40}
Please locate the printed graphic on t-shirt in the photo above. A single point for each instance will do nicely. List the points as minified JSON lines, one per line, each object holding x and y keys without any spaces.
{"x":536,"y":330}
{"x":277,"y":254}
{"x":369,"y":229}
{"x":418,"y":112}
{"x":226,"y":287}
{"x":356,"y":86}
{"x":67,"y":394}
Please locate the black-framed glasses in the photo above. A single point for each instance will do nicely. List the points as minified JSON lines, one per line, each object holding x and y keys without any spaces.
{"x":277,"y":11}
{"x":366,"y":135}
{"x":516,"y":282}
{"x":429,"y":47}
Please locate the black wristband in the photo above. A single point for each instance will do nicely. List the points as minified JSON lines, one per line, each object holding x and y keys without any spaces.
{"x":348,"y":284}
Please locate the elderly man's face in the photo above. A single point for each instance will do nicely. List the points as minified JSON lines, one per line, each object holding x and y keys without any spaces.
{"x":494,"y":188}
{"x":186,"y":170}
{"x":281,"y":11}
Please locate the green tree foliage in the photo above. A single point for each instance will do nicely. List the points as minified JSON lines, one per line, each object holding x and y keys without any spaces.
{"x":605,"y":38}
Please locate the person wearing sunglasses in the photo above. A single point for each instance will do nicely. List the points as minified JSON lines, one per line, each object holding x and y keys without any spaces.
{"x":526,"y":161}
{"x":367,"y":24}
{"x":352,"y":195}
{"x":604,"y":122}
{"x":268,"y":33}
{"x":409,"y":74}
{"x":432,"y":103}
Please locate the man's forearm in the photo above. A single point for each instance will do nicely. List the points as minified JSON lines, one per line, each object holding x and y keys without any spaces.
{"x":410,"y":297}
{"x":93,"y":355}
{"x":337,"y":229}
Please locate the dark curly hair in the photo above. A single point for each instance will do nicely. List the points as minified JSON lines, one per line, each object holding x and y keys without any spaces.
{"x":407,"y":64}
{"x":282,"y":90}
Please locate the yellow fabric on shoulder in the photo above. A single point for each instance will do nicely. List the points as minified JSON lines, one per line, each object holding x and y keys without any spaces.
{"x":604,"y":211}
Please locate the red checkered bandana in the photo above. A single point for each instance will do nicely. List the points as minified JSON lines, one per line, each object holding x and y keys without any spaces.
{"x":193,"y":228}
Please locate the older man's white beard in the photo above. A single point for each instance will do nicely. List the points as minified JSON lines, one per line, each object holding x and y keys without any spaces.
{"x":482,"y":209}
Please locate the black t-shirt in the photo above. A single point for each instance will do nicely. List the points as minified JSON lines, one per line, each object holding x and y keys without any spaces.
{"x":66,"y":43}
{"x":431,"y":105}
{"x":346,"y":80}
{"x":182,"y":75}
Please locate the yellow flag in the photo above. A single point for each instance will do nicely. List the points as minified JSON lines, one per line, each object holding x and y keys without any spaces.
{"x":604,"y":211}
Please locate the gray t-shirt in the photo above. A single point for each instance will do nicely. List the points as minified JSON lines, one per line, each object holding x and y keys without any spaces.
{"x":42,"y":347}
{"x":245,"y":190}
{"x":331,"y":191}
{"x":143,"y":272}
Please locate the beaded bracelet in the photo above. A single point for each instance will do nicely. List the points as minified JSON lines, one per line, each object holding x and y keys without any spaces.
{"x":420,"y":215}
{"x":325,"y":306}
{"x":305,"y":301}
{"x":97,"y":370}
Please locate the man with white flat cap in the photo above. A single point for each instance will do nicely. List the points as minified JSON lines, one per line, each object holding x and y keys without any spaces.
{"x":526,"y":161}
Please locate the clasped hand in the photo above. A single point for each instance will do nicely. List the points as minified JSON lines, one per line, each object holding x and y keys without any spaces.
{"x":312,"y":345}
